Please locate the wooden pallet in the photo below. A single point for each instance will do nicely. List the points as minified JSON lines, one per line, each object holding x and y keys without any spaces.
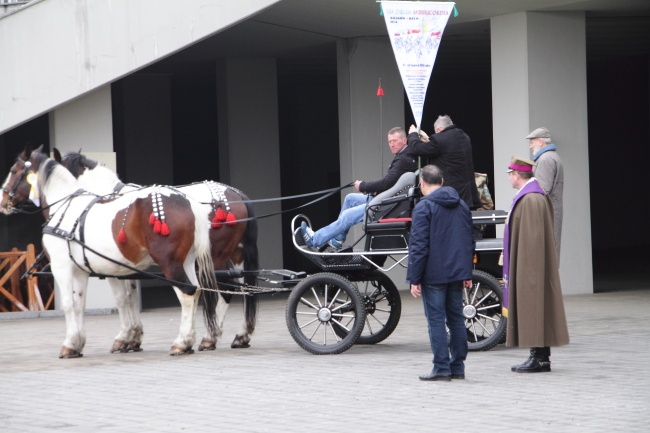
{"x":12,"y":265}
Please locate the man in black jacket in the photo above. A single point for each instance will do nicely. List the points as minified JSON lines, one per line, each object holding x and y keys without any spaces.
{"x":354,"y":205}
{"x":450,"y":149}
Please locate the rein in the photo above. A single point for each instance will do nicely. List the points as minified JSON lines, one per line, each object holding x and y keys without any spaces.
{"x":328,"y":193}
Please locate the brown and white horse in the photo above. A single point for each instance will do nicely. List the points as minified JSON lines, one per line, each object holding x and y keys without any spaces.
{"x":85,"y":235}
{"x":234,"y":245}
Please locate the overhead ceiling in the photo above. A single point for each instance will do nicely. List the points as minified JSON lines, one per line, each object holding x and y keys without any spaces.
{"x":306,"y":29}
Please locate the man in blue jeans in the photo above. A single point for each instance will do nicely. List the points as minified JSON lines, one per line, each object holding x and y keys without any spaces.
{"x":354,"y":205}
{"x":441,"y":250}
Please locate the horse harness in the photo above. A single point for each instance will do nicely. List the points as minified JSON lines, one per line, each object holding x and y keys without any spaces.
{"x":69,"y":236}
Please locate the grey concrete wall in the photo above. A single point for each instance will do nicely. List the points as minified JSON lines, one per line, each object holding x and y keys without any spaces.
{"x":249,"y":147}
{"x":81,"y":45}
{"x":539,"y":79}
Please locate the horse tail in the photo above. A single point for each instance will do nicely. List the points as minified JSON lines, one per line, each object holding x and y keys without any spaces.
{"x":205,"y":268}
{"x":251,"y":263}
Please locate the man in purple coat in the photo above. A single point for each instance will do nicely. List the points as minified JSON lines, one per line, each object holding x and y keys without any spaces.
{"x":533,"y":300}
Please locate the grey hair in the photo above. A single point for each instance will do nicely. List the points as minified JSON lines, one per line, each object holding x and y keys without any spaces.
{"x":547,"y":141}
{"x":442,"y":121}
{"x":397,"y":130}
{"x":431,"y":174}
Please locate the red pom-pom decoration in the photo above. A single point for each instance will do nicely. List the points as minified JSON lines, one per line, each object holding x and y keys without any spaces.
{"x":231,"y":220}
{"x":216,"y":224}
{"x":220,"y":215}
{"x":152,"y":219}
{"x":157,"y":226}
{"x":121,"y":236}
{"x":164,"y":229}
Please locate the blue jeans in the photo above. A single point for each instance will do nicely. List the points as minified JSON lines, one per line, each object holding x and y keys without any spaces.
{"x":352,"y":212}
{"x":444,"y":302}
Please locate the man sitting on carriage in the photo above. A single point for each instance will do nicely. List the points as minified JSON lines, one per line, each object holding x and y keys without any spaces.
{"x":354,"y":205}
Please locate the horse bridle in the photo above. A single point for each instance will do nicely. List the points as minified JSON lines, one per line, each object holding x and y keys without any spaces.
{"x":12,"y":193}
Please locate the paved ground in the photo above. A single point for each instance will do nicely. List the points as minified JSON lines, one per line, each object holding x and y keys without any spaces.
{"x":599,"y":383}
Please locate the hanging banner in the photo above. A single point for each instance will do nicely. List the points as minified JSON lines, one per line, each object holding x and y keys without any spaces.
{"x":415,"y":30}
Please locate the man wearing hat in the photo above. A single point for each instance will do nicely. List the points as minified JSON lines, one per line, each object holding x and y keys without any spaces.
{"x":533,"y":301}
{"x":550,"y":174}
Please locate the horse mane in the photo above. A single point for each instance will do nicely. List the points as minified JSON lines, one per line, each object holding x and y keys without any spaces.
{"x":77,"y":163}
{"x":50,"y":169}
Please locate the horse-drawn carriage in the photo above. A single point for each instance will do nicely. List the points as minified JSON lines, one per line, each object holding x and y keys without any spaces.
{"x":118,"y":234}
{"x":353,"y":301}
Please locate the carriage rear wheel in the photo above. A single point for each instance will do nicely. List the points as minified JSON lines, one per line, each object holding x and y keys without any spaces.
{"x":483,"y":303}
{"x":383,"y":306}
{"x":319,"y":308}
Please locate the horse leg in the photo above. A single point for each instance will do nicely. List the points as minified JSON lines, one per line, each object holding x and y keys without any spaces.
{"x":243,"y":338}
{"x":136,"y":324}
{"x":187,"y":334}
{"x":73,"y":284}
{"x":209,"y":342}
{"x":130,"y":336}
{"x":189,"y":302}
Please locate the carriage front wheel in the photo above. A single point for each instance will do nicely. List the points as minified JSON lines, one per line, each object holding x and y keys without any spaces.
{"x":321,"y":306}
{"x":483,"y":304}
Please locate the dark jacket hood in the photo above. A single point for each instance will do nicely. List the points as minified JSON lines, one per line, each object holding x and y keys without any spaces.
{"x":445,"y":196}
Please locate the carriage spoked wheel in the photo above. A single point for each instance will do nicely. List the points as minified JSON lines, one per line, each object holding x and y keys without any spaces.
{"x":483,"y":303}
{"x":383,"y":306}
{"x":319,"y":308}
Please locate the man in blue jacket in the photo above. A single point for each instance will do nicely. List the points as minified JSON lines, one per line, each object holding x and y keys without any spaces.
{"x":440,"y":264}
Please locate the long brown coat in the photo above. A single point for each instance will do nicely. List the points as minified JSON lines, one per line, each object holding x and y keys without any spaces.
{"x":535,"y":307}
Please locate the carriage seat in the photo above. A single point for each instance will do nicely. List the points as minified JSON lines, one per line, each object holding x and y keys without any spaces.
{"x":393,"y":203}
{"x":388,"y":215}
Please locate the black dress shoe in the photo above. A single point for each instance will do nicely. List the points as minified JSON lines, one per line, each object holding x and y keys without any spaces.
{"x":458,"y":376}
{"x":432,"y":376}
{"x":532,"y":365}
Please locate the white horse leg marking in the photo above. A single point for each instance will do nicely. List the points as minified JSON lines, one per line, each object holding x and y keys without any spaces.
{"x":72,"y":285}
{"x":136,"y":322}
{"x":187,"y":333}
{"x":243,"y":337}
{"x":130,"y":335}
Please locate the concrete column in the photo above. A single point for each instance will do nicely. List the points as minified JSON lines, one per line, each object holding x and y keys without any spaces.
{"x":539,"y":79}
{"x":249,"y":146}
{"x":87,"y":124}
{"x":365,"y":118}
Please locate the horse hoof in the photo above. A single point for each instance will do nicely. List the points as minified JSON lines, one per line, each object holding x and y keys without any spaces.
{"x":239,"y":343}
{"x":177,"y":351}
{"x":119,"y":347}
{"x":207,"y":345}
{"x":67,"y":353}
{"x":134,"y":347}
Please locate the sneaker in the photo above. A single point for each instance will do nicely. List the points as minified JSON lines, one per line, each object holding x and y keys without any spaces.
{"x":335,"y":244}
{"x":307,"y":233}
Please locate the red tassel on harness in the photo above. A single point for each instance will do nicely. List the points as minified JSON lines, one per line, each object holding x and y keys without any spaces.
{"x":220,"y":215}
{"x":157,"y":226}
{"x":231,"y":220}
{"x":152,"y":218}
{"x":216,"y":224}
{"x":121,"y":236}
{"x":164,"y":229}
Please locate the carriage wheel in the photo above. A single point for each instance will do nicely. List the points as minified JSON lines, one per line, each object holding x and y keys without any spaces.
{"x":321,"y":305}
{"x":486,"y":326}
{"x":383,"y":306}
